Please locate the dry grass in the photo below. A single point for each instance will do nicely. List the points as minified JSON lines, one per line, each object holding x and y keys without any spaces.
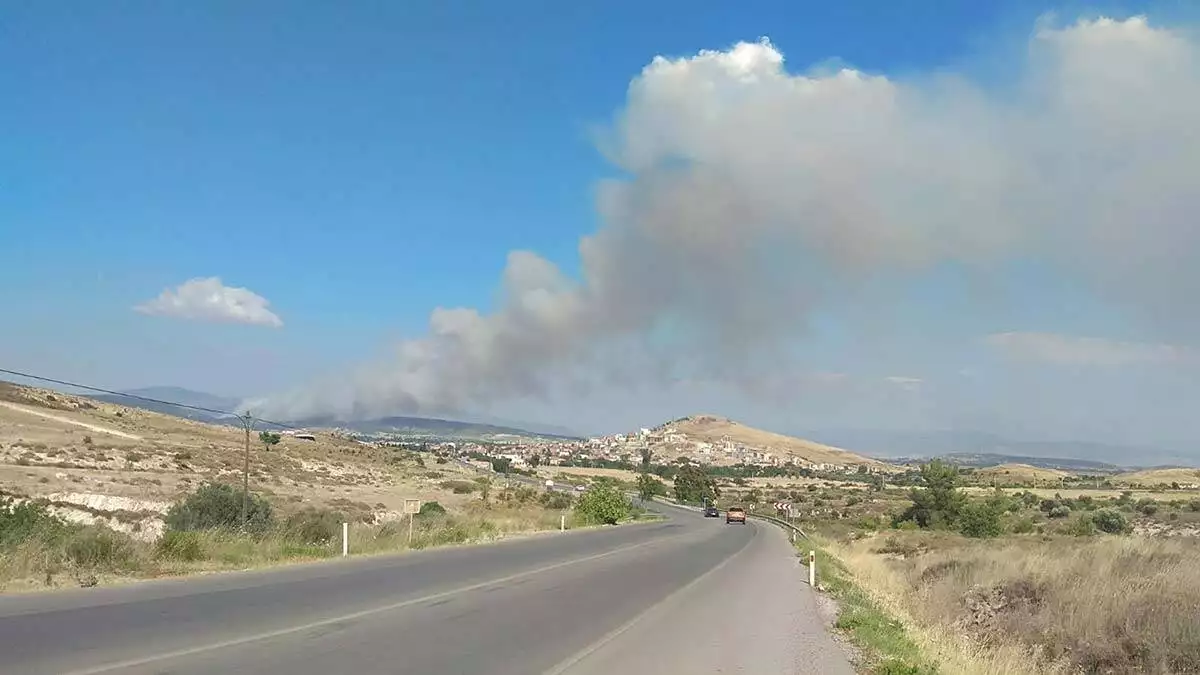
{"x":1020,"y":473}
{"x":1038,"y":604}
{"x":1160,"y":477}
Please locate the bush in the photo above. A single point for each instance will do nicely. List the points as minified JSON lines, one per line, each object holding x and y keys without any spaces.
{"x":432,"y":509}
{"x":980,"y":519}
{"x":19,"y":522}
{"x":461,"y":487}
{"x":1110,"y":521}
{"x":1147,"y":506}
{"x":101,"y":548}
{"x":217,"y":505}
{"x":314,"y":526}
{"x":178,"y":545}
{"x":554,"y":499}
{"x":1194,"y":505}
{"x":1022,"y":526}
{"x":603,"y":504}
{"x":1083,"y":526}
{"x":1059,"y":511}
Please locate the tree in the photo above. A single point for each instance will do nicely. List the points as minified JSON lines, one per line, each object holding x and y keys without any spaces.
{"x":604,"y":503}
{"x":693,"y":485}
{"x":534,"y":460}
{"x":647,"y":455}
{"x":650,"y":487}
{"x":981,"y":519}
{"x":939,"y":502}
{"x":269,"y":440}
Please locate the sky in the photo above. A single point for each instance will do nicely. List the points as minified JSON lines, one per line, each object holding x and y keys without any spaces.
{"x":806,"y":216}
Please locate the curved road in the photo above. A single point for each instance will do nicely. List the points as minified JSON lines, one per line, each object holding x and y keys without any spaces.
{"x":687,"y":595}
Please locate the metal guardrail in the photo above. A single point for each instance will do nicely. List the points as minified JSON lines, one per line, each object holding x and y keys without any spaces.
{"x":782,"y":523}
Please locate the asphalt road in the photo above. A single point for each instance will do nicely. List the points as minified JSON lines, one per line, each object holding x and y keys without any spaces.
{"x":687,"y":595}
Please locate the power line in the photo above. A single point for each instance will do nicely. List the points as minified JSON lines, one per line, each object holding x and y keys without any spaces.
{"x":147,"y":399}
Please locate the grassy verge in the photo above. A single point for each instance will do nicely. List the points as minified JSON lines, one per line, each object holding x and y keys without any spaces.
{"x":1048,"y":604}
{"x":38,"y":550}
{"x":882,"y":640}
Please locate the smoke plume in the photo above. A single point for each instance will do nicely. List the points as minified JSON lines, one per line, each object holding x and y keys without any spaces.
{"x":749,"y":195}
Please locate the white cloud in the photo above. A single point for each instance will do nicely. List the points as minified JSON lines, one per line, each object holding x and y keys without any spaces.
{"x":1084,"y":351}
{"x":207,"y":299}
{"x":751,"y":195}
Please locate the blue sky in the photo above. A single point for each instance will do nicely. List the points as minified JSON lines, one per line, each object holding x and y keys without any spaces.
{"x":359,"y":165}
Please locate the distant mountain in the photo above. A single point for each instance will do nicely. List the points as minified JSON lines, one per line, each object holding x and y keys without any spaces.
{"x":1081,"y":455}
{"x":163,"y":397}
{"x":987,"y":459}
{"x":425,"y":426}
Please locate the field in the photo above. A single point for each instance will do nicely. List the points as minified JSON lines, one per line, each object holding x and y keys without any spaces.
{"x":1043,"y":587}
{"x":106,"y":476}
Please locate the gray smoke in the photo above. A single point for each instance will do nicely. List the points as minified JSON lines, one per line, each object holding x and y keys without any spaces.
{"x":752,"y":195}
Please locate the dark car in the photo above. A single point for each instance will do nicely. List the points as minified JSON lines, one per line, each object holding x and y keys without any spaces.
{"x":735,"y":514}
{"x":711,"y":512}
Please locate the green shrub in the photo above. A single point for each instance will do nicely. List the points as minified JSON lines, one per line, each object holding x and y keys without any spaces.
{"x":19,"y":522}
{"x":980,"y":519}
{"x":432,"y":509}
{"x":1147,"y":506}
{"x":1059,"y":511}
{"x":603,"y":504}
{"x":1110,"y":521}
{"x":219,"y":505}
{"x":99,"y":547}
{"x":1194,"y":505}
{"x":178,"y":545}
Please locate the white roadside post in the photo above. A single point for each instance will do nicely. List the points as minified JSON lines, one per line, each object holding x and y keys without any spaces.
{"x":345,"y":539}
{"x":562,"y":523}
{"x":812,"y":568}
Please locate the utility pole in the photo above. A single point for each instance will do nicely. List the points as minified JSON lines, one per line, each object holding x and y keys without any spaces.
{"x":247,"y":423}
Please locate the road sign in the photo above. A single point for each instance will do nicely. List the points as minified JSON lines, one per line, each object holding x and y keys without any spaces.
{"x":412,"y":506}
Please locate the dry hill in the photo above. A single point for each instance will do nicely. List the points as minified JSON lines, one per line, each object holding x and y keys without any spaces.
{"x":1021,"y":473}
{"x":124,"y":466}
{"x":1154,"y":477}
{"x":718,"y":440}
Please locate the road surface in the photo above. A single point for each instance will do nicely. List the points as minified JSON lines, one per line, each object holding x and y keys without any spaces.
{"x":687,"y":595}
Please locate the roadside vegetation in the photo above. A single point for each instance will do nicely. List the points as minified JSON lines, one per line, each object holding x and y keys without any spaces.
{"x":205,"y":530}
{"x":942,"y":577}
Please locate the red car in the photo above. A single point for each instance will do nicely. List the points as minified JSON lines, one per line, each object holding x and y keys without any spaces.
{"x":735,"y":514}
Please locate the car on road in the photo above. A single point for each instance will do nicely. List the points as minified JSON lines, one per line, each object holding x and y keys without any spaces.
{"x":581,"y":488}
{"x":711,"y":511}
{"x":735,"y":514}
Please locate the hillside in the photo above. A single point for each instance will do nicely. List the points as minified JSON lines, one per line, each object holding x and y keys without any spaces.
{"x":1154,"y":477}
{"x":161,"y":400}
{"x":124,"y":466}
{"x":1021,"y":472}
{"x":718,"y":440}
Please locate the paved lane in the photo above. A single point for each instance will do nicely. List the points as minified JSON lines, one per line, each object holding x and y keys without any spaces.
{"x":525,"y":606}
